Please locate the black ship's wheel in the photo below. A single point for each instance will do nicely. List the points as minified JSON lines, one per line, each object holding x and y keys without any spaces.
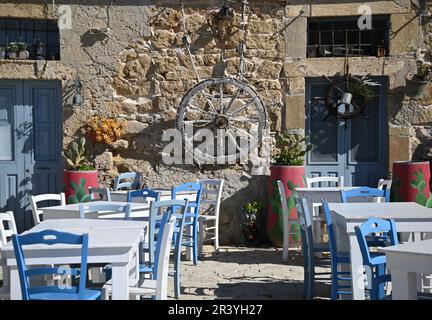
{"x":347,"y":97}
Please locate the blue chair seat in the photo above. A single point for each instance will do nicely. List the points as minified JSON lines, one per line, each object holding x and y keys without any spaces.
{"x":57,"y":294}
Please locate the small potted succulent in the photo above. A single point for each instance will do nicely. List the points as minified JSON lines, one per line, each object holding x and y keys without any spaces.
{"x":250,"y":215}
{"x":80,"y":173}
{"x":288,"y":167}
{"x":18,"y":51}
{"x":415,"y":87}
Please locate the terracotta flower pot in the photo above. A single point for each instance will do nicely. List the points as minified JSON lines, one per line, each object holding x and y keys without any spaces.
{"x":77,"y":184}
{"x":411,"y":182}
{"x":291,"y":177}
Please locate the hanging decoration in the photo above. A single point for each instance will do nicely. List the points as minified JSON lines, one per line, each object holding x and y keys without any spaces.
{"x":226,"y":106}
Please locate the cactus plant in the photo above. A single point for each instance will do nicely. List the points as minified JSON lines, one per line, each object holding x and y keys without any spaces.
{"x":80,"y":192}
{"x":420,"y":184}
{"x":76,"y":157}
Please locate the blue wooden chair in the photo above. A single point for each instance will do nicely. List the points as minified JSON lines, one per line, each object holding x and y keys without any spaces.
{"x":192,"y":215}
{"x":51,"y":237}
{"x":365,"y":192}
{"x":374,"y":260}
{"x":144,"y":194}
{"x":132,"y":181}
{"x":99,"y":194}
{"x":309,"y":248}
{"x":105,"y":208}
{"x":337,"y":258}
{"x":158,"y":212}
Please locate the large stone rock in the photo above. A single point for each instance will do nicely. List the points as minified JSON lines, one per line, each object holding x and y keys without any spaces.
{"x":104,"y":161}
{"x":163,"y":39}
{"x":134,"y":128}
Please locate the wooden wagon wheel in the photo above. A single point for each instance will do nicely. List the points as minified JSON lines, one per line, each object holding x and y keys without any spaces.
{"x":228,"y":108}
{"x":343,"y":97}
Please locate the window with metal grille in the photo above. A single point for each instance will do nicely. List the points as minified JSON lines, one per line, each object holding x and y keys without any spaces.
{"x":332,"y":37}
{"x":30,"y":31}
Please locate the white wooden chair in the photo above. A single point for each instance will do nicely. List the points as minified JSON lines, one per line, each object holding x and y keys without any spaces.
{"x":211,"y":197}
{"x":383,"y":184}
{"x":7,"y":229}
{"x":318,"y":182}
{"x":156,"y":288}
{"x":286,"y":221}
{"x":34,"y":200}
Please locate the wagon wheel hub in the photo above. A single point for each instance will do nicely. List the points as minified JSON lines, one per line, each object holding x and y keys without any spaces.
{"x":221,"y":121}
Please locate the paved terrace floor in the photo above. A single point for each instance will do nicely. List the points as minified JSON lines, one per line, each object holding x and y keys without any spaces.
{"x":247,"y":273}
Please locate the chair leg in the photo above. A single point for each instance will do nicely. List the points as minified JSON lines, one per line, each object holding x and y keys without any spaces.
{"x":200,"y":237}
{"x":216,"y":241}
{"x":195,"y":242}
{"x":380,"y":287}
{"x":334,"y":281}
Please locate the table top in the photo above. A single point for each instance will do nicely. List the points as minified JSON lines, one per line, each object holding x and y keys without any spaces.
{"x":127,"y":233}
{"x":325,"y":189}
{"x":163,"y":192}
{"x":423,"y":248}
{"x":390,"y":210}
{"x":135,"y":206}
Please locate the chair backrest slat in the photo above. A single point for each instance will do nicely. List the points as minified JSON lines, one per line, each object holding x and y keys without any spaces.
{"x":144,"y":194}
{"x":364,"y":192}
{"x":337,"y":181}
{"x":211,"y":194}
{"x":34,"y":200}
{"x":10,"y":229}
{"x":49,"y":237}
{"x":193,"y":187}
{"x":105,"y":208}
{"x":329,"y":225}
{"x":133,"y":183}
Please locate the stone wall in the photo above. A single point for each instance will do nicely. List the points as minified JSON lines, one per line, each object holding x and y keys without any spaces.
{"x":141,"y":71}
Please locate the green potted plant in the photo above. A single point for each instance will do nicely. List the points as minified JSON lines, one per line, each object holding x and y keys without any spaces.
{"x":18,"y":51}
{"x":250,"y":214}
{"x":80,"y":173}
{"x":287,"y":166}
{"x":415,"y":87}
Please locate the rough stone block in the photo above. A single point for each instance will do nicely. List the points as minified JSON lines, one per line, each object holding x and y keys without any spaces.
{"x":295,"y":111}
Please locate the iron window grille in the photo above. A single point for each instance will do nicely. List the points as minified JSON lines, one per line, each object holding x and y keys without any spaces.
{"x":30,"y":31}
{"x":329,"y":37}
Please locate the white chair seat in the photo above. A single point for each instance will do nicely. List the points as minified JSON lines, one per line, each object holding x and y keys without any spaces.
{"x":146,"y":288}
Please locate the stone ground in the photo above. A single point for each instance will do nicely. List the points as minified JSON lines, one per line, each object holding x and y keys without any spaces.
{"x":246,"y":273}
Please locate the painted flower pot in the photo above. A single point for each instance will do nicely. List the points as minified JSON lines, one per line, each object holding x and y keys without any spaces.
{"x":77,"y":184}
{"x":411,"y":182}
{"x":291,"y":177}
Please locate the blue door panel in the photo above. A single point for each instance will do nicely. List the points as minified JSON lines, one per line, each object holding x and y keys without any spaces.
{"x":355,"y":148}
{"x":37,"y":141}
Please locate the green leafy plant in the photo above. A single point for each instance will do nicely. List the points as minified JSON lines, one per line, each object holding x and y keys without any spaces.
{"x":424,"y":71}
{"x":76,"y":156}
{"x":361,"y":89}
{"x":80,"y":192}
{"x":293,"y":148}
{"x":17,"y":46}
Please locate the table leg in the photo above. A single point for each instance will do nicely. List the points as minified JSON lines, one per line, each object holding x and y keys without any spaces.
{"x":15,"y":285}
{"x":120,"y":281}
{"x":404,"y":285}
{"x":357,"y":269}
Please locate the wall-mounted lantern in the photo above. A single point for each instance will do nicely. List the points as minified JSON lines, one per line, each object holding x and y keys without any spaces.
{"x":78,"y":99}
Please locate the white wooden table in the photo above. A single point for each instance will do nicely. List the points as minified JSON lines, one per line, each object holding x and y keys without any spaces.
{"x":111,"y":242}
{"x":71,"y":211}
{"x":405,"y":261}
{"x":409,"y":217}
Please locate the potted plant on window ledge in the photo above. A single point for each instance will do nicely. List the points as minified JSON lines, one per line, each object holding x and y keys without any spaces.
{"x":18,"y":51}
{"x":415,"y":87}
{"x":80,"y":173}
{"x":288,"y":166}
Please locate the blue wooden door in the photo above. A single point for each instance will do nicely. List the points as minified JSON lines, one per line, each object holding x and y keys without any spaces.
{"x":30,"y":160}
{"x":354,"y":148}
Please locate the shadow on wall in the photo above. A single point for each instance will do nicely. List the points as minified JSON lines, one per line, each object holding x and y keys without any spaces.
{"x":231,"y":211}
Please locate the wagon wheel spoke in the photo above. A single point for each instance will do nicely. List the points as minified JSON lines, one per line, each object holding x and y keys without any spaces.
{"x":200,"y":110}
{"x":245,"y":119}
{"x":233,"y":140}
{"x":209,"y":102}
{"x":239,"y":91}
{"x":242,"y":131}
{"x":200,"y":123}
{"x":241,"y":108}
